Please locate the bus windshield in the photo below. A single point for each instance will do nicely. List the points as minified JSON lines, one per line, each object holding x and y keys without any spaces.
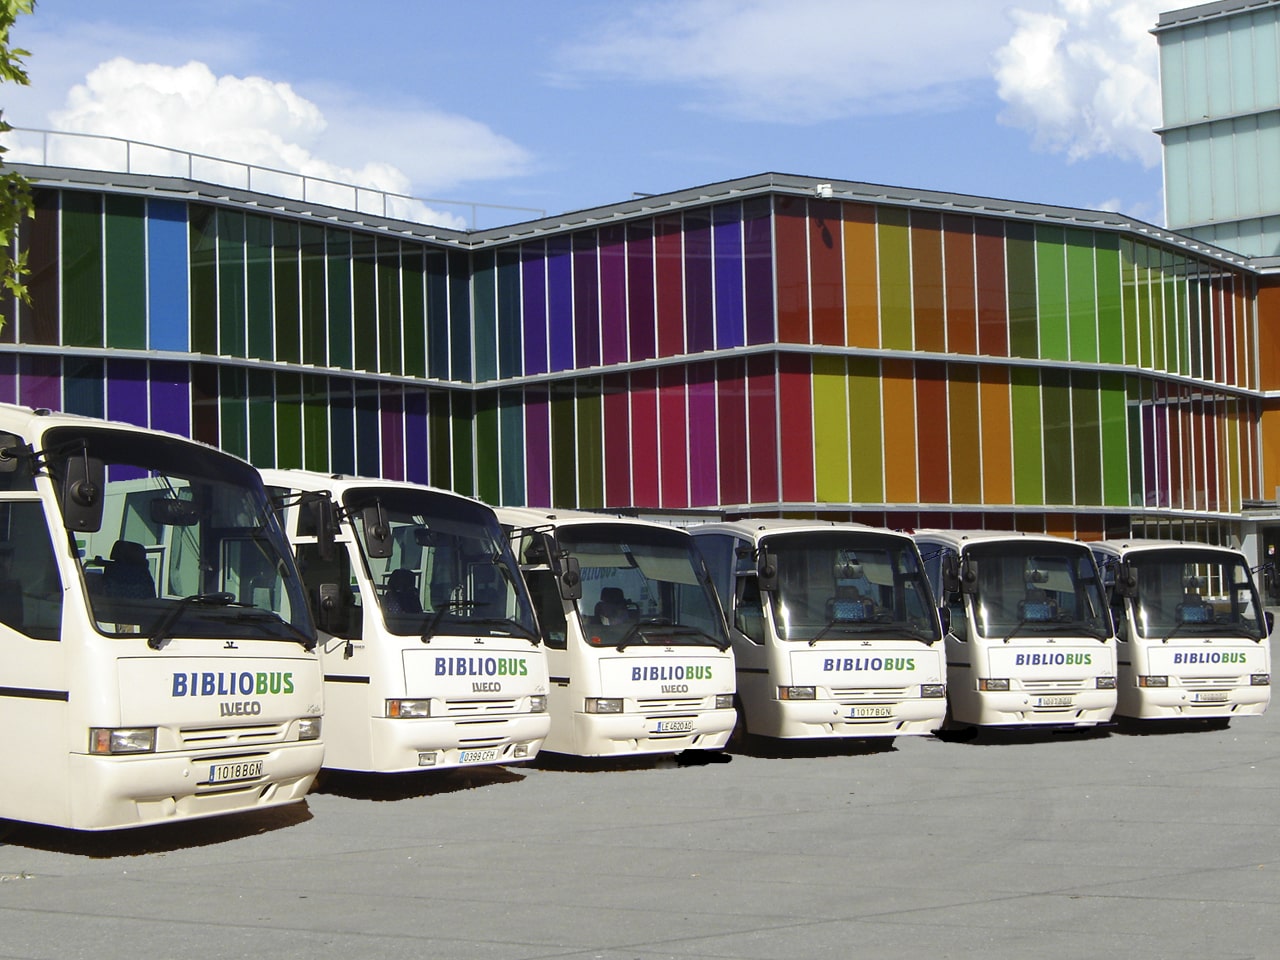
{"x":445,"y":568}
{"x":188,"y":544}
{"x":1036,"y":588}
{"x":1198,"y":593}
{"x":643,"y":585}
{"x":836,"y":584}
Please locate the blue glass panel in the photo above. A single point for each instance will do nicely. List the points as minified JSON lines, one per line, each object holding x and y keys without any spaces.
{"x":368,"y":455}
{"x":534,"y":275}
{"x":342,"y":427}
{"x":127,"y":391}
{"x":416,"y":448}
{"x":459,"y":316}
{"x":727,"y":238}
{"x":700,"y":333}
{"x":171,"y":398}
{"x":84,"y":389}
{"x":560,"y":301}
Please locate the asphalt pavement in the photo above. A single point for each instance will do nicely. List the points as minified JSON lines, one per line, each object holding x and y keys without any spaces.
{"x":1149,"y":844}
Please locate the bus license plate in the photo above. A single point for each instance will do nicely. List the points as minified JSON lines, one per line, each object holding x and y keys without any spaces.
{"x":1054,"y":702}
{"x":675,"y":726}
{"x":1210,"y":696}
{"x":872,"y":712}
{"x":478,"y":756}
{"x":230,"y":772}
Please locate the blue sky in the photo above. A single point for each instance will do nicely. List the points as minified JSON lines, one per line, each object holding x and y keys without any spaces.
{"x":566,"y":104}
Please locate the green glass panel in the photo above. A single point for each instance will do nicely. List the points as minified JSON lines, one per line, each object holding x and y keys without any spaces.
{"x":894,"y":249}
{"x":288,"y":293}
{"x":261,"y":306}
{"x":1129,"y":286}
{"x":204,"y":279}
{"x":484,"y":299}
{"x":1170,"y":270}
{"x":338,"y":247}
{"x":1055,"y":396}
{"x":262,"y":419}
{"x":1028,"y":457}
{"x":1051,"y":291}
{"x":509,"y":332}
{"x":1133,"y":410}
{"x":437,"y":315}
{"x":1115,"y":440}
{"x":82,"y":295}
{"x":463,"y":446}
{"x":364,"y":292}
{"x":1086,"y":439}
{"x":564,"y":449}
{"x":831,"y":429}
{"x":865,"y":431}
{"x":315,"y":422}
{"x":315,"y":335}
{"x":231,"y":284}
{"x":414,"y":308}
{"x":126,"y":272}
{"x":288,"y":420}
{"x":1082,"y":300}
{"x":233,"y":425}
{"x":511,"y":419}
{"x":591,"y":445}
{"x":459,"y":316}
{"x":488,"y":459}
{"x":1020,"y":260}
{"x":440,"y":441}
{"x":1159,"y":347}
{"x":1145,"y":346}
{"x":389,"y":319}
{"x":1110,"y":308}
{"x":1181,"y":307}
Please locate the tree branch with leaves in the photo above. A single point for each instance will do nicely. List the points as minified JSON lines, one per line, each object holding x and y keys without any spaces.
{"x":16,"y":202}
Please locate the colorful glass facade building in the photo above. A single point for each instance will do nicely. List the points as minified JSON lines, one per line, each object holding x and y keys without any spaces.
{"x":769,"y":345}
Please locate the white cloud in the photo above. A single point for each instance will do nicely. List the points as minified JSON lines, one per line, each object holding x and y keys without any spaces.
{"x":1084,"y":78}
{"x":803,"y":61}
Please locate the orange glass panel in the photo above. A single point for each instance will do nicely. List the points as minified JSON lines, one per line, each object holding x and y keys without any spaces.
{"x":926,"y":280}
{"x":861,"y":279}
{"x":961,"y":279}
{"x":965,"y":435}
{"x":899,"y":431}
{"x":997,"y":433}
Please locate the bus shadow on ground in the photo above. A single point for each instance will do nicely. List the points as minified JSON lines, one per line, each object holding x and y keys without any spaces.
{"x":391,"y":787}
{"x":567,"y":763}
{"x":160,"y":838}
{"x":1160,"y":728}
{"x":1014,"y":736}
{"x":816,"y":749}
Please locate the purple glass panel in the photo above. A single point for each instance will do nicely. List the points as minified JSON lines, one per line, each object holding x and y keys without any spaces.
{"x":757,"y":248}
{"x":9,"y":379}
{"x":560,"y":301}
{"x":1162,"y":456}
{"x":392,"y":434}
{"x":537,"y":445}
{"x":641,"y":323}
{"x":728,"y":260}
{"x":704,"y":479}
{"x":613,"y":294}
{"x":415,"y":437}
{"x":700,"y":332}
{"x":533,"y":269}
{"x":171,"y":398}
{"x":40,"y":382}
{"x":586,"y":300}
{"x":127,"y":391}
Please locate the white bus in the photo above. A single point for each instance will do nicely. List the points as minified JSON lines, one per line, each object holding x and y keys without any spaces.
{"x":1028,"y":634}
{"x":635,"y":636}
{"x":834,"y":630}
{"x":431,"y":652}
{"x":157,"y":658}
{"x":1192,"y":636}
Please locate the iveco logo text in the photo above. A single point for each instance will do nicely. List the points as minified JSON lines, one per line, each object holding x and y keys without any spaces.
{"x":229,"y":684}
{"x":678,"y":672}
{"x":868,"y":663}
{"x":481,"y":667}
{"x":1053,"y":659}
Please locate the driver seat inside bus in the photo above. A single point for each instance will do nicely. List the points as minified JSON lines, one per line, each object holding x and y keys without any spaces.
{"x":401,"y":595}
{"x":614,"y":607}
{"x":128,"y":575}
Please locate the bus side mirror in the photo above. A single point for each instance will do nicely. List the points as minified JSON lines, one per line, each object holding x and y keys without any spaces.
{"x":1126,"y":581}
{"x":1270,"y":619}
{"x":767,"y":571}
{"x":82,"y":493}
{"x":570,"y":579}
{"x":324,"y":522}
{"x":968,"y":577}
{"x":11,"y":450}
{"x":377,"y":532}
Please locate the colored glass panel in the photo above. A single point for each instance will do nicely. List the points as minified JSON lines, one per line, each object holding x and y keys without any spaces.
{"x":831,"y":429}
{"x":1172,"y":276}
{"x":440,"y":441}
{"x":417,"y":436}
{"x":586,"y":300}
{"x":1028,"y":462}
{"x":338,"y":281}
{"x":534,"y":283}
{"x":617,"y":441}
{"x":259,"y":286}
{"x":964,"y":440}
{"x":82,"y":387}
{"x":484,"y":301}
{"x":1086,"y":437}
{"x":926,"y":282}
{"x":288,"y":420}
{"x":364,"y":302}
{"x":315,"y":422}
{"x":510,"y":341}
{"x":368,"y":422}
{"x":170,"y":388}
{"x":315,"y":335}
{"x":1055,"y":397}
{"x":1109,"y":298}
{"x":865,"y":431}
{"x":233,"y":412}
{"x":613,"y":294}
{"x":590,"y":445}
{"x":342,"y":426}
{"x":288,"y":299}
{"x":564,"y":450}
{"x":762,"y":411}
{"x":1142,"y":288}
{"x":1129,"y":299}
{"x":204,"y":403}
{"x":127,"y":395}
{"x":82,"y":262}
{"x":38,"y":321}
{"x":669,"y":285}
{"x":126,"y":272}
{"x":641,"y":302}
{"x":511,"y":422}
{"x":704,"y":480}
{"x":462,"y":438}
{"x":826,"y":272}
{"x":391,"y":439}
{"x":932,"y":444}
{"x":861,"y":276}
{"x":960,"y":272}
{"x":795,"y":411}
{"x":459,"y":316}
{"x":792,"y":267}
{"x":262,"y":418}
{"x":673,"y":432}
{"x":1082,"y":320}
{"x":1133,"y":416}
{"x":731,"y":409}
{"x":1051,"y":291}
{"x":413,"y":300}
{"x":894,"y":246}
{"x":997,"y":435}
{"x":1227,"y":326}
{"x":989,"y":262}
{"x":757,"y":245}
{"x":232,"y":279}
{"x":1020,"y":259}
{"x":899,"y":431}
{"x":560,"y":302}
{"x":699,"y":297}
{"x":488,"y":455}
{"x":729,"y":308}
{"x":167,"y":271}
{"x":644,"y":439}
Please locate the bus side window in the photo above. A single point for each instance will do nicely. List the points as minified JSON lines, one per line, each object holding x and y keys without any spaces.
{"x":30,"y":588}
{"x":748,"y":612}
{"x":341,"y":616}
{"x":549,"y":607}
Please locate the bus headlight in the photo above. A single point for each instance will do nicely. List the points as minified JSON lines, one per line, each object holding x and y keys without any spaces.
{"x":1106,"y":683}
{"x":107,"y":741}
{"x":1260,"y":679}
{"x":408,"y":709}
{"x":994,"y":685}
{"x":1153,"y":681}
{"x":538,"y":703}
{"x":933,"y":691}
{"x":797,"y":693}
{"x":309,"y":728}
{"x":604,"y":705}
{"x":724,"y":701}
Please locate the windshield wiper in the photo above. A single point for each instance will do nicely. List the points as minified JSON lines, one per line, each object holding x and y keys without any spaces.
{"x":161,"y":633}
{"x":256,"y":614}
{"x":513,"y":626}
{"x":445,"y":607}
{"x":638,"y":628}
{"x":687,"y":630}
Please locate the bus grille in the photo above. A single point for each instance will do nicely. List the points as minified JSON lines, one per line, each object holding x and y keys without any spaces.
{"x":665,"y":705}
{"x":204,"y":738}
{"x":871,"y":693}
{"x":478,"y":708}
{"x":1054,"y":686}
